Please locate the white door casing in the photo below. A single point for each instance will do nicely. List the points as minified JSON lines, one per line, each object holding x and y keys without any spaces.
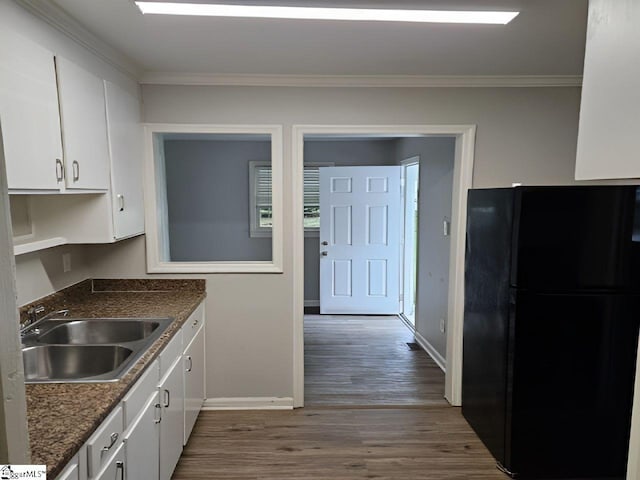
{"x":360,"y":232}
{"x":462,"y":181}
{"x":410,"y":260}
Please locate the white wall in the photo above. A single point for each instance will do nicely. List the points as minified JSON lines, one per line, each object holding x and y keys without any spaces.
{"x":208,"y":200}
{"x":524,"y":134}
{"x":39,"y":274}
{"x":342,"y":153}
{"x":437,"y":157}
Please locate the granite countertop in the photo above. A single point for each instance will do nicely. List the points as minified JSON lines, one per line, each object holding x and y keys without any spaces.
{"x":62,"y":416}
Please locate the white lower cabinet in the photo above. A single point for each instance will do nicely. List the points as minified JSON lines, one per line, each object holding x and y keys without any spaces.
{"x":194,"y":393}
{"x":142,"y":438}
{"x":142,"y":443}
{"x":104,"y":442}
{"x":115,"y":468}
{"x":171,"y":391}
{"x":71,"y":471}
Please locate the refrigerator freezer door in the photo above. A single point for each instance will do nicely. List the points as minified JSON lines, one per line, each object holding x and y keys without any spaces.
{"x":570,"y":387}
{"x":576,"y":238}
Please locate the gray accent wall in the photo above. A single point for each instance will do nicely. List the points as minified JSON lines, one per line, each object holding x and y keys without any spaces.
{"x":342,"y":153}
{"x":208,"y":200}
{"x":437,"y":157}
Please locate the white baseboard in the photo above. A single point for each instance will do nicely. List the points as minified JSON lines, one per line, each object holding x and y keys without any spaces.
{"x":433,"y":353}
{"x":249,"y":403}
{"x":312,"y":303}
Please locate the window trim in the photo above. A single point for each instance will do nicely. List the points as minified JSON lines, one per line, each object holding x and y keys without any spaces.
{"x":156,"y":208}
{"x":256,"y":231}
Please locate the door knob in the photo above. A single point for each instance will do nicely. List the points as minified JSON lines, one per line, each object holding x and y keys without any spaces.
{"x":324,"y":254}
{"x":325,"y":243}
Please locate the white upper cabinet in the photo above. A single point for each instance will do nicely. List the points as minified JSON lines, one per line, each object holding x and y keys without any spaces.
{"x":126,"y":151}
{"x":610,"y":107}
{"x":29,"y":116}
{"x":84,"y":132}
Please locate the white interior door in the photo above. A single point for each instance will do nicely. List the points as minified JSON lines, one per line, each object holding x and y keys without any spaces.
{"x":360,"y":231}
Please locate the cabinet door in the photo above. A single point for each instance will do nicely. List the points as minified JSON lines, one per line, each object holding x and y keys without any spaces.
{"x":125,"y":149}
{"x":29,"y":117}
{"x":609,"y":120}
{"x":142,"y":443}
{"x":172,"y":425}
{"x":84,"y":127}
{"x":193,"y":382}
{"x":115,"y":469}
{"x":104,"y":442}
{"x":71,"y":471}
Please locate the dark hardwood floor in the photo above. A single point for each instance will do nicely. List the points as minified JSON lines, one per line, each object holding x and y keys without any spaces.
{"x":374,"y":410}
{"x":365,"y":361}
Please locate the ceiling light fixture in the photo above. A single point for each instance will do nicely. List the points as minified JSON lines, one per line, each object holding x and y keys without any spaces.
{"x":317,"y":13}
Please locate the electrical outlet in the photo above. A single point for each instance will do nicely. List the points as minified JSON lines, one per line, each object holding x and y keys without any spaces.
{"x":66,"y":262}
{"x":443,"y":325}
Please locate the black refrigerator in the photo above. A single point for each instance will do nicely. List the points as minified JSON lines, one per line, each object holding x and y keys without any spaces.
{"x":552,"y":311}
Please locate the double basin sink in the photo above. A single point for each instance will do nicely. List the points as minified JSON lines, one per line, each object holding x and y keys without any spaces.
{"x":82,"y":350}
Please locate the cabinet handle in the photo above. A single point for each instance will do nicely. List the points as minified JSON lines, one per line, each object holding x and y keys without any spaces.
{"x":190,"y":363}
{"x":195,"y":322}
{"x":114,"y":439}
{"x":167,"y":398}
{"x":120,"y":198}
{"x":59,"y":170}
{"x":75,"y":166}
{"x":159,"y":410}
{"x":120,"y":468}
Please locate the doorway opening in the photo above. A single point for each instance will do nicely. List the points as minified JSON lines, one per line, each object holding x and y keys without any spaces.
{"x":363,"y":260}
{"x":462,"y":139}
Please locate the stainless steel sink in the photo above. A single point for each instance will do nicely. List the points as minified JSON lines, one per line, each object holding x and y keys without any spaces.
{"x":67,"y":362}
{"x":82,"y":332}
{"x":82,"y":350}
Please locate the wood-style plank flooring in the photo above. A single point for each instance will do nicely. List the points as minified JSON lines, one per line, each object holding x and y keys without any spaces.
{"x":387,"y":419}
{"x":351,"y":360}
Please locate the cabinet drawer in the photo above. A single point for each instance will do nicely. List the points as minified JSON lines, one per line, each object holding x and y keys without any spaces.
{"x":170,"y":353}
{"x":135,"y":399}
{"x":193,"y":325}
{"x":104,"y":442}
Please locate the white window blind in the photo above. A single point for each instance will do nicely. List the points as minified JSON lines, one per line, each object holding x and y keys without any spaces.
{"x":311,"y":186}
{"x":263,"y":186}
{"x":260,"y":202}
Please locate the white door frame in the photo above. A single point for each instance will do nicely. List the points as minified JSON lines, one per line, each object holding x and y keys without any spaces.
{"x":462,"y":181}
{"x":414,"y":160}
{"x":14,"y":434}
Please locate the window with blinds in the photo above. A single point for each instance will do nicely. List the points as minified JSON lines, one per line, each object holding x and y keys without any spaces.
{"x":261,"y":197}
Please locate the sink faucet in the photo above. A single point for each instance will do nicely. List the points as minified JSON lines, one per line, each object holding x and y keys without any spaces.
{"x":32,"y":315}
{"x":32,"y":319}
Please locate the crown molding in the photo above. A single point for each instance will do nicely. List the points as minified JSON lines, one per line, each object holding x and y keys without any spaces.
{"x":59,"y":19}
{"x":403,"y":81}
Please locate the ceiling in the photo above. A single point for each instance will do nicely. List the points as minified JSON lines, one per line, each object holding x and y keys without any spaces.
{"x":547,"y":38}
